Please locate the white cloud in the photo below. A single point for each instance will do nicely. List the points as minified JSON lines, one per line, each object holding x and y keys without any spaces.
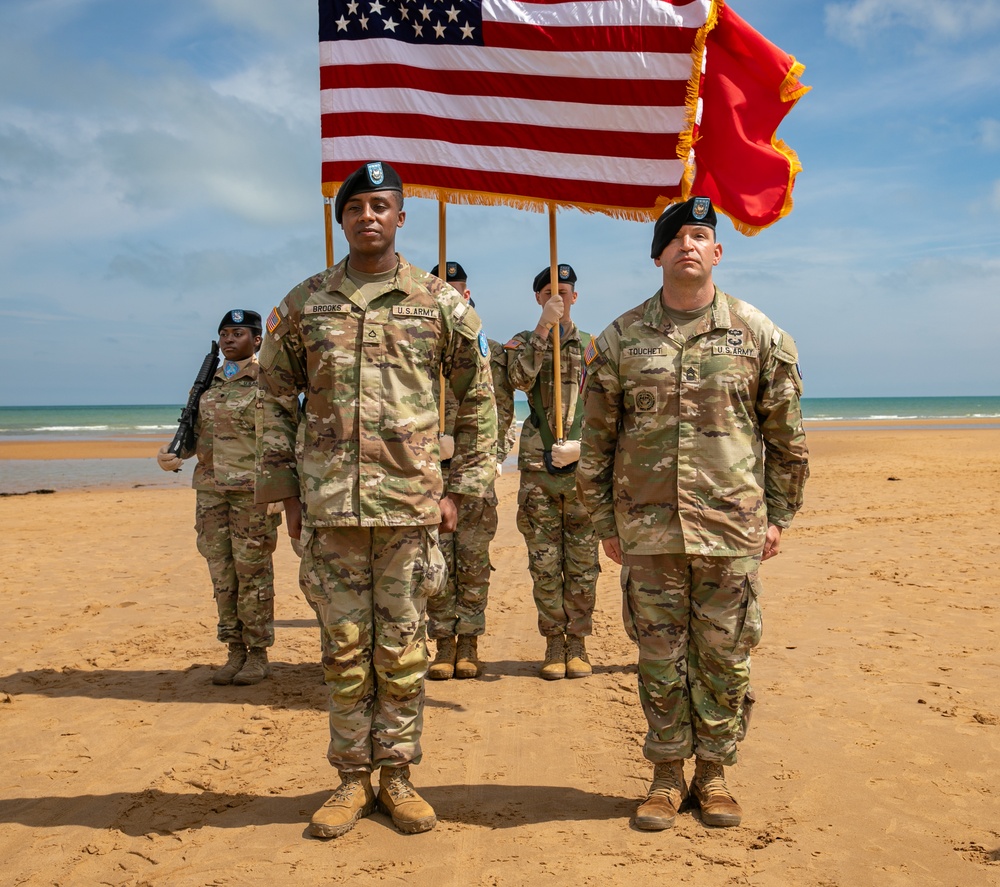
{"x":988,"y":134}
{"x":860,"y":21}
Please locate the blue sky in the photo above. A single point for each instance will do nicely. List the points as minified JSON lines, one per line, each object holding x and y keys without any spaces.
{"x":159,"y":165}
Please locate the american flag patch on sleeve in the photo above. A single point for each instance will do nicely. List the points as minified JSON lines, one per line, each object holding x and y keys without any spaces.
{"x":589,"y":353}
{"x":273,"y":320}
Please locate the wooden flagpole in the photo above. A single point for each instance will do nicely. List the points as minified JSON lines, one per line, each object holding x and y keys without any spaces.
{"x":328,"y":225}
{"x":443,"y":274}
{"x":556,"y":356}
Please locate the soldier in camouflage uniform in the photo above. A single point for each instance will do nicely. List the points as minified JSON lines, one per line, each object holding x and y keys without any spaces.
{"x":235,"y":536}
{"x":365,"y":341}
{"x":693,"y":461}
{"x":457,"y":616}
{"x":562,"y":546}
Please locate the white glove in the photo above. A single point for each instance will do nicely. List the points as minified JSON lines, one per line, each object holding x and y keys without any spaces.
{"x":168,"y":461}
{"x":552,"y":310}
{"x":275,"y":507}
{"x":499,"y":468}
{"x":565,"y":453}
{"x":447,"y":444}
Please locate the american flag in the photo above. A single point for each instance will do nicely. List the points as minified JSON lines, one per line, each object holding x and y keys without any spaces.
{"x":586,"y":103}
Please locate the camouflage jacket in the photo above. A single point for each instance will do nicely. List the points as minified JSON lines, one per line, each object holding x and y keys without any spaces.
{"x":506,"y":429}
{"x":530,"y":358}
{"x":369,"y":447}
{"x":225,"y":433}
{"x":692,"y":447}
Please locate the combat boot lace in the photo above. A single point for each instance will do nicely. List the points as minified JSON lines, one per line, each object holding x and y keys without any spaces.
{"x":577,"y":660}
{"x":467,"y":664}
{"x":352,"y":800}
{"x":443,"y":666}
{"x":554,"y":666}
{"x":665,"y":797}
{"x":710,"y":792}
{"x":237,"y":659}
{"x":396,"y":796}
{"x":256,"y":669}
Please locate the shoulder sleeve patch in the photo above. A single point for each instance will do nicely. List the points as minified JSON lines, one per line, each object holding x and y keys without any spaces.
{"x":785,"y":349}
{"x":513,"y":344}
{"x":275,"y":319}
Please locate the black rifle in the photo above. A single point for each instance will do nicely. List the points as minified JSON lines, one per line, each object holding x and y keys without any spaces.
{"x":184,"y":438}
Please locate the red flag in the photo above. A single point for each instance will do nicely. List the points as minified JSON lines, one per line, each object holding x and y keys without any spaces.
{"x":586,"y":103}
{"x":748,"y":87}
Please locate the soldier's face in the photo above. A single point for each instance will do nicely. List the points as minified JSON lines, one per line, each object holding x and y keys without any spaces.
{"x":691,"y":254}
{"x":237,"y":342}
{"x":370,"y":222}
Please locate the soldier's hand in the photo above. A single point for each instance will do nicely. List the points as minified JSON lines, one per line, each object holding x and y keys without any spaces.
{"x":447,"y":444}
{"x":613,"y":549}
{"x":552,"y":311}
{"x":168,"y":461}
{"x":499,"y":468}
{"x":275,"y":507}
{"x":565,"y":453}
{"x":772,"y":542}
{"x":449,"y":513}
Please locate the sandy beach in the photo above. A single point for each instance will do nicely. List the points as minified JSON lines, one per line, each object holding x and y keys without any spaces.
{"x":873,"y":757}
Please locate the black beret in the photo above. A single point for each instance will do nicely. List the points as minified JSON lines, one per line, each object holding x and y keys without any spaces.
{"x":695,"y":211}
{"x":376,"y":175}
{"x":453,"y":270}
{"x":241,"y":317}
{"x":566,"y":275}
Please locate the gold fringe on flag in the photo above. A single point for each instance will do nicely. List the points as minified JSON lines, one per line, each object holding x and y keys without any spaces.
{"x":531,"y":204}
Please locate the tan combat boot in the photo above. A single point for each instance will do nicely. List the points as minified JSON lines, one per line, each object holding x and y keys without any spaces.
{"x":709,"y":790}
{"x":256,"y":669}
{"x":554,"y":666}
{"x":443,"y":666}
{"x":665,"y":797}
{"x":577,"y":660}
{"x":237,"y":659}
{"x":352,"y":800}
{"x":467,"y":662}
{"x":396,"y":796}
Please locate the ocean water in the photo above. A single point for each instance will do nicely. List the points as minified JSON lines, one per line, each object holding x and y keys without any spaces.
{"x":154,"y":422}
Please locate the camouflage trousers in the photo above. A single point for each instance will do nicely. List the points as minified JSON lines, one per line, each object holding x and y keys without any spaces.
{"x":460,"y":607}
{"x":237,"y":539}
{"x":369,"y":587}
{"x":562,"y":552}
{"x":695,"y":619}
